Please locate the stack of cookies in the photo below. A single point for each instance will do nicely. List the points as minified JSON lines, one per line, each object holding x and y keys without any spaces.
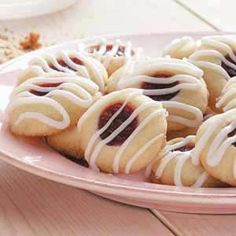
{"x":121,"y":112}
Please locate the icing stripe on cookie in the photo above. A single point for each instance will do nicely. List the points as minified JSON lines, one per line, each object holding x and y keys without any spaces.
{"x":21,"y":101}
{"x":105,"y":50}
{"x":220,"y":143}
{"x":194,"y":111}
{"x":227,"y":100}
{"x":187,"y":82}
{"x":95,"y":145}
{"x":77,"y":90}
{"x":181,"y":158}
{"x":87,"y":68}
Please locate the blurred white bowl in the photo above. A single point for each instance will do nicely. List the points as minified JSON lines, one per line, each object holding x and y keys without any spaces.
{"x":16,"y":9}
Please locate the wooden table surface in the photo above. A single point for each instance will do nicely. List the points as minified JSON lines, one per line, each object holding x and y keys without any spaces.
{"x":30,"y":205}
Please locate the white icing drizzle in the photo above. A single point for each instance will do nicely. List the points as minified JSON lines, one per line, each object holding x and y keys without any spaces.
{"x":182,"y":143}
{"x":228,"y":99}
{"x":201,"y":180}
{"x":208,"y":65}
{"x":201,"y":143}
{"x":230,"y":83}
{"x":76,"y":89}
{"x":172,"y":64}
{"x":129,"y":140}
{"x":140,"y":68}
{"x":116,"y":132}
{"x":100,"y":50}
{"x":221,"y":44}
{"x":46,"y":60}
{"x":181,"y":47}
{"x":181,"y":159}
{"x":198,"y":116}
{"x":95,"y":144}
{"x":148,"y":169}
{"x":179,"y":167}
{"x":34,"y":70}
{"x":191,"y":82}
{"x":80,"y":69}
{"x":39,"y":116}
{"x":219,"y":144}
{"x":170,"y":154}
{"x":96,"y":135}
{"x":216,"y":47}
{"x":224,"y":101}
{"x":140,"y":152}
{"x":187,"y":82}
{"x":230,"y":105}
{"x":164,"y":162}
{"x":199,"y":55}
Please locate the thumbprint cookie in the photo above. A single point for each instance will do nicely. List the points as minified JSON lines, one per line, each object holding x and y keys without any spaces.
{"x":180,"y":48}
{"x":174,"y":166}
{"x":227,"y":100}
{"x":189,"y":131}
{"x":216,"y":57}
{"x":216,"y":146}
{"x":177,"y":84}
{"x":122,"y":132}
{"x":66,"y":142}
{"x":34,"y":71}
{"x":67,"y":62}
{"x":46,"y":105}
{"x":112,"y":54}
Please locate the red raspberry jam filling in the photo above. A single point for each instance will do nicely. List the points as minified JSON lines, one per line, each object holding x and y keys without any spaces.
{"x":65,"y":65}
{"x":79,"y":160}
{"x":106,"y":115}
{"x":150,"y":86}
{"x":120,"y":52}
{"x":231,"y":134}
{"x":46,"y":85}
{"x":185,"y":148}
{"x":206,"y":116}
{"x":231,"y":71}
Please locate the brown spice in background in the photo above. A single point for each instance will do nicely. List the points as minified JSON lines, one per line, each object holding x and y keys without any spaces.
{"x":31,"y":42}
{"x":11,"y":48}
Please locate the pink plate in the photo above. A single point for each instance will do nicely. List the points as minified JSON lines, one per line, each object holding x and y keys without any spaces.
{"x":34,"y":156}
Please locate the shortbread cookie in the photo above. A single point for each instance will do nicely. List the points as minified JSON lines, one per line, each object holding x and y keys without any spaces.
{"x":112,"y":53}
{"x":122,"y":132}
{"x":176,"y":83}
{"x":46,"y":105}
{"x":66,"y":142}
{"x":181,"y":133}
{"x":174,"y":166}
{"x":227,"y":100}
{"x":68,"y":62}
{"x":34,"y":71}
{"x":216,"y":57}
{"x":189,"y":131}
{"x":215,"y":146}
{"x":180,"y":48}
